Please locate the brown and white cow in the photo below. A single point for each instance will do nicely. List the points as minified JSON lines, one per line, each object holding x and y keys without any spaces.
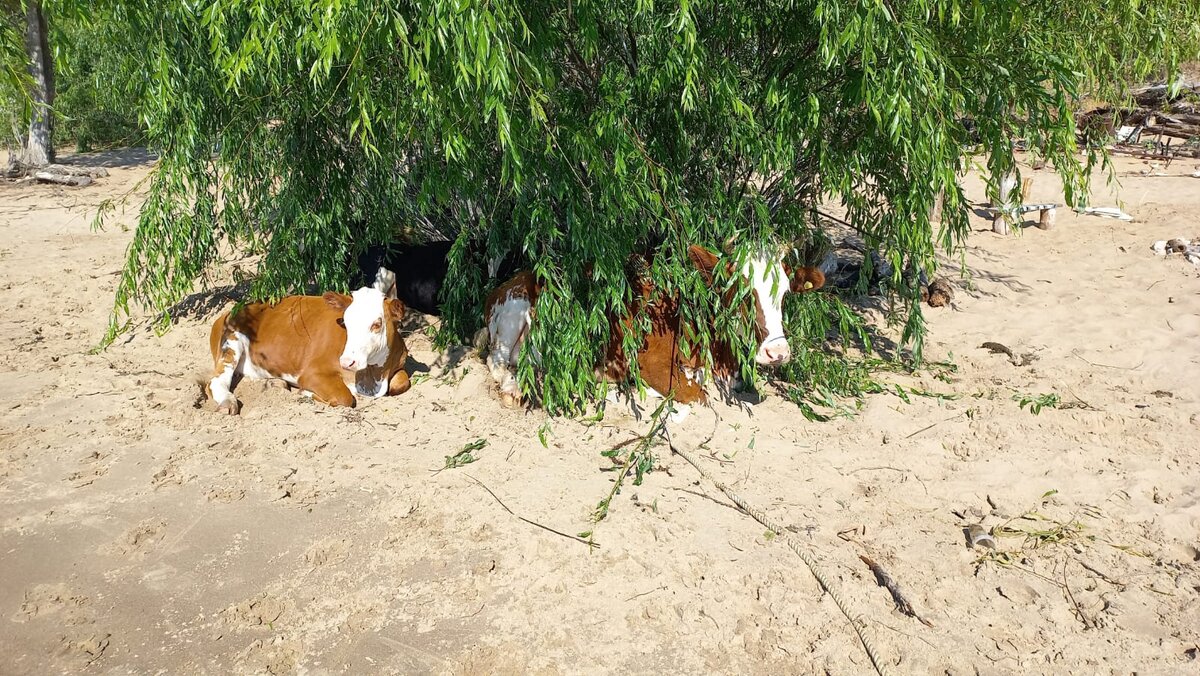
{"x":314,"y":343}
{"x":663,"y":365}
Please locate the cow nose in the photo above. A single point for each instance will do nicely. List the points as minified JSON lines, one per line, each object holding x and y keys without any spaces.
{"x":777,"y":353}
{"x":348,"y":363}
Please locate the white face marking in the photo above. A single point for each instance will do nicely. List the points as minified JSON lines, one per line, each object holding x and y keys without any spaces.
{"x":366,"y":335}
{"x":385,"y":281}
{"x":770,"y":282}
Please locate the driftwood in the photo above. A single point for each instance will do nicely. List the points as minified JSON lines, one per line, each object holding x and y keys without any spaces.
{"x":1174,"y":131}
{"x":71,"y":170}
{"x":62,"y":179}
{"x":1156,"y":95}
{"x":59,"y":174}
{"x":885,"y":580}
{"x":1155,"y":113}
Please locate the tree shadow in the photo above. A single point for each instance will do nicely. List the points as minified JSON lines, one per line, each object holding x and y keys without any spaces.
{"x":1010,"y":282}
{"x":413,"y":366}
{"x":205,"y":304}
{"x":120,"y":158}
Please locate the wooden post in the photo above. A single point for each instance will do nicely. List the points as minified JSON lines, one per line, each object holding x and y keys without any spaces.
{"x":1046,"y":219}
{"x":1000,"y":223}
{"x":1026,"y":187}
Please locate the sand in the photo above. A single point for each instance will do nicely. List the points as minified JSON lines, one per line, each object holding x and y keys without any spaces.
{"x":143,"y":534}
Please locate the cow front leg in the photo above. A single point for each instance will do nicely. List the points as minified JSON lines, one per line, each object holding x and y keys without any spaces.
{"x":399,"y":383}
{"x":328,"y":388}
{"x":228,"y":366}
{"x":507,"y":329}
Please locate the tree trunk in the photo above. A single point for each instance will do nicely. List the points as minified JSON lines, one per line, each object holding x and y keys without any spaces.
{"x":39,"y":150}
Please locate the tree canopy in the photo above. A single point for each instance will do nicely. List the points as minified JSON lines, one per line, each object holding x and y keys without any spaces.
{"x":578,"y":133}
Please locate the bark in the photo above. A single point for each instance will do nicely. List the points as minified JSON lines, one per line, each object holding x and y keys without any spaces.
{"x":39,"y":148}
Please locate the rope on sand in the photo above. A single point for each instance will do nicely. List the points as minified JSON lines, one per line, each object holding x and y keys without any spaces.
{"x":855,"y":619}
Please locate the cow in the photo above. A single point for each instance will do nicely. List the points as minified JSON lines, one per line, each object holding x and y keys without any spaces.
{"x":663,"y":366}
{"x":415,"y":273}
{"x":314,"y":343}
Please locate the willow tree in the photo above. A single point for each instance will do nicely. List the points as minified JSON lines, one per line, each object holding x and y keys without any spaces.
{"x":579,"y":133}
{"x":27,"y":100}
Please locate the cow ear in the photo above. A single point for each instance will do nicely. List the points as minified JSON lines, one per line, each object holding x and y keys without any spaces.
{"x":704,"y":260}
{"x":396,"y":307}
{"x":337,"y":301}
{"x":805,"y":280}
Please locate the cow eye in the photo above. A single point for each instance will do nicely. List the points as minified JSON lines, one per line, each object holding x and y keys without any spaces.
{"x":341,"y":322}
{"x":377,"y":326}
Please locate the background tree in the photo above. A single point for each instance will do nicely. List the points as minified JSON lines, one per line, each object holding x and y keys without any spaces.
{"x":578,"y":133}
{"x":28,"y":99}
{"x":62,"y":79}
{"x":39,"y":148}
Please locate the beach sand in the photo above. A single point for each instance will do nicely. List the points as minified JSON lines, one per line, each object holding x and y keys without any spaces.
{"x":143,"y":534}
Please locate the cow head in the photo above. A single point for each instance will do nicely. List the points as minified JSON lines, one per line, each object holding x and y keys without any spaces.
{"x":370,"y":320}
{"x":770,"y":280}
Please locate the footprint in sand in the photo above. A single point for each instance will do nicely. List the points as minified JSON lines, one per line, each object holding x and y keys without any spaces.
{"x":54,"y":600}
{"x":84,"y":649}
{"x":95,"y":466}
{"x":168,"y":475}
{"x":225,"y":494}
{"x":278,"y":656}
{"x":138,"y":540}
{"x":328,"y":552}
{"x":262,"y":610}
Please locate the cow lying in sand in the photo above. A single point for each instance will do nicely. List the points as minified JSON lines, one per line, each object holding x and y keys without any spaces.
{"x":662,"y":364}
{"x":314,"y":343}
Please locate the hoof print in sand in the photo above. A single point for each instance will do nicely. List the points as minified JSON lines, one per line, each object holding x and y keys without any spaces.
{"x":54,"y":600}
{"x":260,"y":611}
{"x":278,"y":656}
{"x":169,"y":474}
{"x":225,"y":494}
{"x":86,"y":477}
{"x":85,"y":648}
{"x":301,"y":493}
{"x":329,"y":552}
{"x":138,"y":540}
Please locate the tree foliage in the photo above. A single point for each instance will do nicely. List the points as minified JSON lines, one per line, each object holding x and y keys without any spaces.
{"x":578,"y":133}
{"x":92,"y":64}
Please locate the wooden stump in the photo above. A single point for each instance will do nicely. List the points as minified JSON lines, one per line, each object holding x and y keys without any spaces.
{"x":1000,"y":224}
{"x":1046,"y":219}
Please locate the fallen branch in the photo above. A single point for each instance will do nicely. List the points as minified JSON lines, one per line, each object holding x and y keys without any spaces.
{"x":589,"y":543}
{"x":885,"y":580}
{"x":62,"y":179}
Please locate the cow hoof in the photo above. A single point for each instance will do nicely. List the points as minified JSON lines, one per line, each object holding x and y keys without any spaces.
{"x":230,"y":406}
{"x":482,"y":341}
{"x":510,"y":400}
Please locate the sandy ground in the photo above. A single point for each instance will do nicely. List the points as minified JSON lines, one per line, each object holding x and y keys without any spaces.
{"x":142,"y":534}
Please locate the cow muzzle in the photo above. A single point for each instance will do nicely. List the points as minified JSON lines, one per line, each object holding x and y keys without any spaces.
{"x":774,"y":352}
{"x":352,"y":363}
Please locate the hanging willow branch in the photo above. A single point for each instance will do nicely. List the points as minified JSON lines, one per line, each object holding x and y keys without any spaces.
{"x":578,"y":134}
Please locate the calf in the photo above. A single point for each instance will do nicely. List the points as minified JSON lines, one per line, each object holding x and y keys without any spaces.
{"x":415,"y":274}
{"x":314,"y":343}
{"x":663,"y":365}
